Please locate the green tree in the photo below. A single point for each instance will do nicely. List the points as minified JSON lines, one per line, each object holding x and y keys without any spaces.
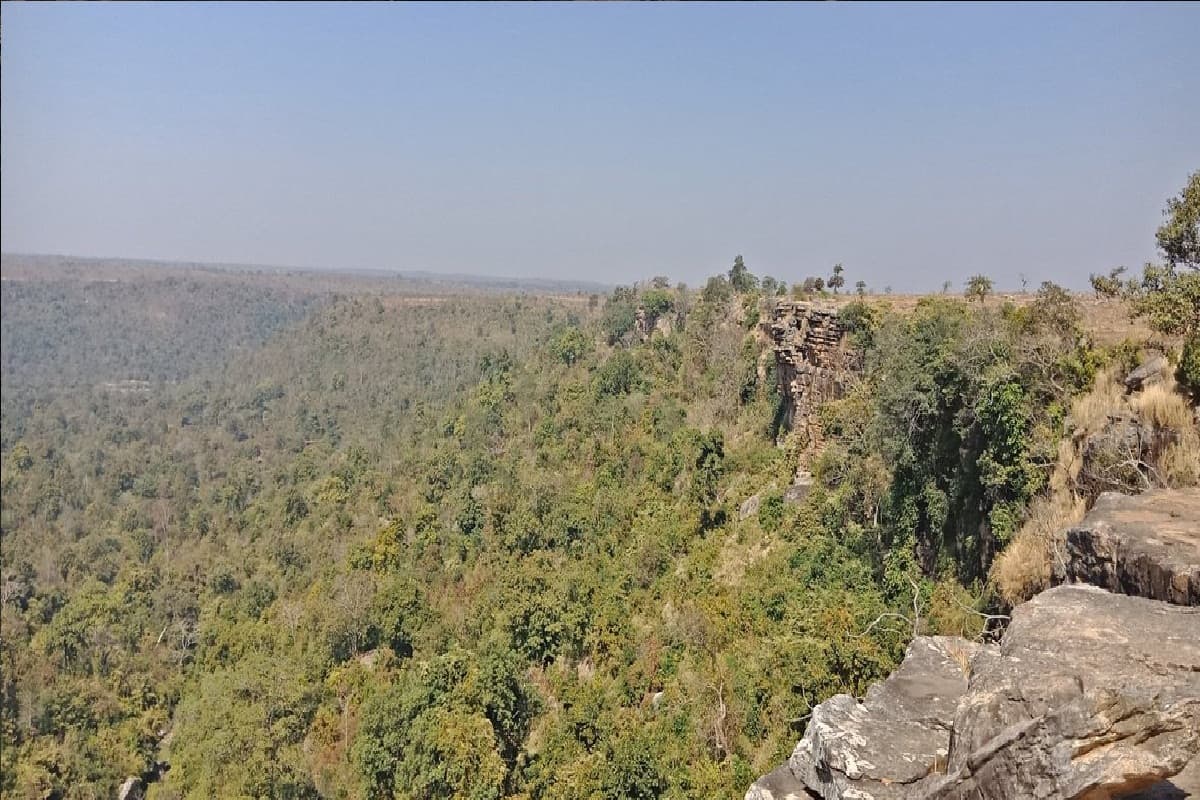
{"x":657,"y":302}
{"x":570,"y":345}
{"x":1179,"y":236}
{"x":632,"y":772}
{"x":740,"y":278}
{"x":620,"y":314}
{"x":618,"y":375}
{"x":1167,"y":299}
{"x":1166,"y":296}
{"x":837,"y":280}
{"x":860,"y":287}
{"x":1107,"y":285}
{"x":978,"y":288}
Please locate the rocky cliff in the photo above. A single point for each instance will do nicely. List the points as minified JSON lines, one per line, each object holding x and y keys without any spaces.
{"x":812,"y":359}
{"x":1090,"y":694}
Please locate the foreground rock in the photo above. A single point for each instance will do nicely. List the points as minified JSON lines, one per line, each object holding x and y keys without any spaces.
{"x":888,"y":745}
{"x":1146,"y":545}
{"x":1091,"y":695}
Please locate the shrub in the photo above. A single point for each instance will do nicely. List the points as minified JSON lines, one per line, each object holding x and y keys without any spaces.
{"x":618,"y":376}
{"x":1188,"y":371}
{"x":1024,"y":568}
{"x":657,"y":302}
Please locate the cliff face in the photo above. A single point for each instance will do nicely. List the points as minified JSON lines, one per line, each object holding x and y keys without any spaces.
{"x":811,"y":358}
{"x":1090,"y":694}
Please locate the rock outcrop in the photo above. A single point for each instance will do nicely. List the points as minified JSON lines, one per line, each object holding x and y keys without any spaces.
{"x":647,"y":323}
{"x":1144,"y":545}
{"x":1150,"y":372}
{"x":842,"y":754}
{"x":812,"y":359}
{"x":132,"y":789}
{"x":1090,"y":695}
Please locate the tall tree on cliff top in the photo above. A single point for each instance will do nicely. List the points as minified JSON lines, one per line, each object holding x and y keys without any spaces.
{"x":1179,"y":236}
{"x":837,"y":280}
{"x":740,"y":278}
{"x":1166,"y":296}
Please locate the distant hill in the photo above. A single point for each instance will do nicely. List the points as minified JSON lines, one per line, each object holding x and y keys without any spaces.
{"x":19,"y":265}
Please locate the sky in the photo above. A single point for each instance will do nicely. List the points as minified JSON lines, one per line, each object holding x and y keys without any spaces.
{"x":609,"y":141}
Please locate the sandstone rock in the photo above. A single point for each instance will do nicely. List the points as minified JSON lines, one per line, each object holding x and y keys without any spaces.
{"x":888,"y":745}
{"x":1117,"y":457}
{"x":811,"y":359}
{"x":1178,"y":787}
{"x":1090,"y":696}
{"x":780,"y":784}
{"x":646,"y":324}
{"x":1148,"y":373}
{"x":664,"y":325}
{"x":750,"y":507}
{"x":132,"y":789}
{"x":1146,"y":545}
{"x":795,"y":494}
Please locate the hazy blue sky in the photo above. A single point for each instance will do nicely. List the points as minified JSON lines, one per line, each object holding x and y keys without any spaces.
{"x":604,"y":141}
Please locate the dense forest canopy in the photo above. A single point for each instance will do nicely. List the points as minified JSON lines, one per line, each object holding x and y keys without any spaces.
{"x":261,"y":539}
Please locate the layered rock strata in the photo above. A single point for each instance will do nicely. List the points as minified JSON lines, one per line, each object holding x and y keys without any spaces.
{"x":812,"y":359}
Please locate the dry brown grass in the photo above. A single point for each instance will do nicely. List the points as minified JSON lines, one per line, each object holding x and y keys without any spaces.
{"x":1179,"y":463}
{"x":1091,"y":411}
{"x":1161,"y":405}
{"x":960,"y":656}
{"x":1106,"y":320}
{"x":1024,"y":568}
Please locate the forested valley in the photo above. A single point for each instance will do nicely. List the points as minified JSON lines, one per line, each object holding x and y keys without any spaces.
{"x":297,"y":536}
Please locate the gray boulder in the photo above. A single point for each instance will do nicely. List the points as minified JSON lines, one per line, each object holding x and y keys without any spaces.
{"x":1146,"y":545}
{"x":1090,"y":695}
{"x":886,"y":746}
{"x":132,"y":789}
{"x":750,"y":507}
{"x":1148,"y":373}
{"x":801,"y":486}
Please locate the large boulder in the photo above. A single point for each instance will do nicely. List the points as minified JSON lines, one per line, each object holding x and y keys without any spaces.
{"x":888,"y":745}
{"x":1151,"y":371}
{"x":1146,"y":545}
{"x":1091,"y":695}
{"x":750,"y":507}
{"x":780,"y":784}
{"x":132,"y":789}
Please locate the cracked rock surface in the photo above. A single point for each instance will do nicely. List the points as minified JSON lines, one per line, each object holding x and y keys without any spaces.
{"x":886,"y":746}
{"x":1091,"y":695}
